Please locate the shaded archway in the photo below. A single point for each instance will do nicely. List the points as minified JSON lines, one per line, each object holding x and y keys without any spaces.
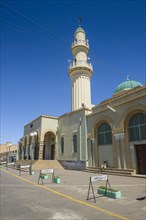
{"x":104,"y":143}
{"x":137,"y":139}
{"x":49,"y":151}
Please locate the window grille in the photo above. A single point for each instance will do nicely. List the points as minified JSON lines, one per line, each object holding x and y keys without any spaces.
{"x":137,"y":127}
{"x":104,"y":134}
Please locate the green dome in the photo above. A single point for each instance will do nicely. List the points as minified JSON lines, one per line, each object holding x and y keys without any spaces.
{"x":79,"y":29}
{"x":128,"y":84}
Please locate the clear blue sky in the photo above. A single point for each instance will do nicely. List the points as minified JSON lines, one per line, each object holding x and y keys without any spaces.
{"x":36,"y":37}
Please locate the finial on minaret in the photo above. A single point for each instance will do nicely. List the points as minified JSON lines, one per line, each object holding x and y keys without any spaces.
{"x":79,"y":21}
{"x":127,"y":77}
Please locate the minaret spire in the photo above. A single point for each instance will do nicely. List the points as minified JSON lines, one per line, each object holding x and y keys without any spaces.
{"x":80,"y":70}
{"x":79,"y":21}
{"x":127,"y":77}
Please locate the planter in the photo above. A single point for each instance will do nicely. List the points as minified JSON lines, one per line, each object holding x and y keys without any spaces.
{"x":44,"y":177}
{"x":108,"y":193}
{"x":56,"y":180}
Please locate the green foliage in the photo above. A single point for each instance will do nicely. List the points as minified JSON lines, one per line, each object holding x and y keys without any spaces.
{"x":109,"y":189}
{"x":43,"y":174}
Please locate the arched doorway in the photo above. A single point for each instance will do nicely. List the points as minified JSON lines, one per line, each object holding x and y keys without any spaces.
{"x":104,"y":142}
{"x":137,"y":138}
{"x":49,"y":152}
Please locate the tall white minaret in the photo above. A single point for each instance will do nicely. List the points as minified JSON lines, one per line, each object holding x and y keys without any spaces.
{"x":80,"y":71}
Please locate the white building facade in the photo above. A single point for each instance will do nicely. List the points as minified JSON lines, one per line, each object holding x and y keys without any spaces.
{"x":80,"y":71}
{"x":91,"y":134}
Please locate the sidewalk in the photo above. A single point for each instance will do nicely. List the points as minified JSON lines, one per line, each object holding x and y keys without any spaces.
{"x":68,"y":200}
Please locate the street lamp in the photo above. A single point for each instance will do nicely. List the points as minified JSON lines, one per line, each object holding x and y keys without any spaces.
{"x":9,"y":145}
{"x":33,"y":134}
{"x":111,"y":108}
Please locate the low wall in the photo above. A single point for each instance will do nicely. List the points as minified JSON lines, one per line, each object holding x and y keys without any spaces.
{"x":73,"y":165}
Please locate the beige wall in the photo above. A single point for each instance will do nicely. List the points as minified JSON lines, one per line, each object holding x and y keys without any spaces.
{"x":70,"y":125}
{"x":126,"y":104}
{"x":4,"y":148}
{"x":41,"y":125}
{"x":48,"y":124}
{"x":121,"y":154}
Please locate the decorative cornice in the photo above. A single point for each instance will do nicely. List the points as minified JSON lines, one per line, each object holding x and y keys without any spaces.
{"x":119,"y":100}
{"x":41,"y":116}
{"x":74,"y":112}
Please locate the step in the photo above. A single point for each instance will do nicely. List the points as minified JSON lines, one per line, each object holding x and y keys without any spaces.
{"x":117,"y":169}
{"x":112,"y":171}
{"x":46,"y":164}
{"x":26,"y":162}
{"x":41,"y":164}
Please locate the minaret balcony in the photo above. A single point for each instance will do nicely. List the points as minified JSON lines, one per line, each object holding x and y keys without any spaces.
{"x":79,"y":65}
{"x":80,"y":43}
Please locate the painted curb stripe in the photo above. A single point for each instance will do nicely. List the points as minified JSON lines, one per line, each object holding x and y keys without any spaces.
{"x":68,"y":197}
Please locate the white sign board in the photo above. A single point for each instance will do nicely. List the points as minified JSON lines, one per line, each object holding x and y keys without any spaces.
{"x":3,"y":162}
{"x":26,"y":166}
{"x":10,"y":163}
{"x":96,"y":178}
{"x":47,"y":171}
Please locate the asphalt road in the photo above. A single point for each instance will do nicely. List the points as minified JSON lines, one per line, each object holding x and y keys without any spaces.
{"x":22,"y":198}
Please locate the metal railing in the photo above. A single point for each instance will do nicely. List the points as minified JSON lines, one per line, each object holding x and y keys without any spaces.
{"x":80,"y":64}
{"x":80,"y":42}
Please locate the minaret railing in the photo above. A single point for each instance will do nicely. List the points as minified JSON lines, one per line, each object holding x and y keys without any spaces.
{"x":81,"y":63}
{"x":80,"y":42}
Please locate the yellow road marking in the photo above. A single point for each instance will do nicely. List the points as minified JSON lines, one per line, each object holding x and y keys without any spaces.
{"x":68,"y":197}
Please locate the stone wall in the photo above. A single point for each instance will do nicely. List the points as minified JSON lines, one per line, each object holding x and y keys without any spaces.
{"x":73,"y":165}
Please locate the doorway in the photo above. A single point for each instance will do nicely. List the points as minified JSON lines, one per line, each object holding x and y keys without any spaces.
{"x":52,"y":152}
{"x":49,"y":146}
{"x":141,"y":158}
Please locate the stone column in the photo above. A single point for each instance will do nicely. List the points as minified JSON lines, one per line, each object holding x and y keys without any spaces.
{"x":93,"y":151}
{"x":27,"y":152}
{"x":119,"y":154}
{"x":22,"y":154}
{"x":115,"y":152}
{"x":123,"y":154}
{"x":41,"y":146}
{"x":96,"y":152}
{"x":32,"y":151}
{"x":89,"y":152}
{"x":120,"y":150}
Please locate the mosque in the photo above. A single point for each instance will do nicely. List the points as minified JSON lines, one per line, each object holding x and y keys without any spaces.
{"x":113,"y":131}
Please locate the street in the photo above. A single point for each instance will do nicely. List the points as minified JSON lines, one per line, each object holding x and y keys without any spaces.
{"x":22,"y":198}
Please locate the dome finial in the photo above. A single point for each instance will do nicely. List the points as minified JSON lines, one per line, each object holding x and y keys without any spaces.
{"x":79,"y":21}
{"x":127,"y":77}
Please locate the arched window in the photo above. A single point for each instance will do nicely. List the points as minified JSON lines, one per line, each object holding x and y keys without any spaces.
{"x":104,"y":134}
{"x":62,"y":145}
{"x":137,"y":127}
{"x":75,"y":143}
